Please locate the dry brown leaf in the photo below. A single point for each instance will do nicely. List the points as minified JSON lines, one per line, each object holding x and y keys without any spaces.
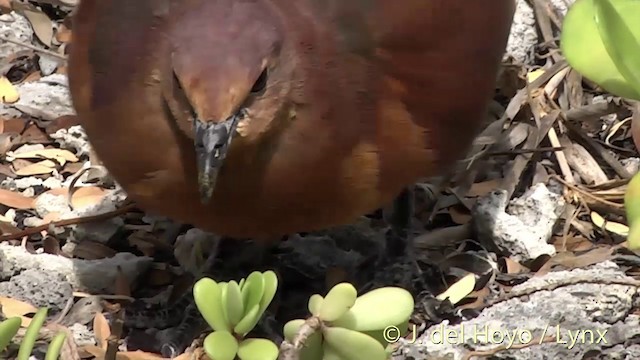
{"x":583,"y":163}
{"x":6,"y":143}
{"x":32,"y":76}
{"x":82,"y":196}
{"x":40,"y":168}
{"x":483,"y":188}
{"x":101,"y":329}
{"x":7,"y":228}
{"x":93,"y":250}
{"x":8,"y":93}
{"x":87,"y":196}
{"x":124,"y":355}
{"x":12,"y":307}
{"x":63,"y":35}
{"x":16,"y":200}
{"x":460,"y":289}
{"x":51,"y":217}
{"x":572,"y":243}
{"x":41,"y":24}
{"x":59,"y":155}
{"x":513,"y":267}
{"x":62,"y":122}
{"x":479,"y":295}
{"x":460,"y":214}
{"x":138,"y":355}
{"x":51,"y":245}
{"x":570,"y":261}
{"x":71,"y":168}
{"x":139,"y":240}
{"x":614,"y":129}
{"x":158,"y":277}
{"x":13,"y":126}
{"x":5,"y":6}
{"x":611,"y":226}
{"x":184,"y":356}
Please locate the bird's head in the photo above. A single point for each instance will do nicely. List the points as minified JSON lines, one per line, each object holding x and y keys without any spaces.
{"x":232,"y":70}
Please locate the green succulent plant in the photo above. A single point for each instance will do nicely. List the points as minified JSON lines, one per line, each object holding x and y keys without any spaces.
{"x":351,"y":327}
{"x":9,"y":328}
{"x":233,"y":309}
{"x":601,"y":40}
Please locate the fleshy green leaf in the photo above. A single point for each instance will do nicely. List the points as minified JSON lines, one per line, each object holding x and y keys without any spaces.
{"x":248,"y":322}
{"x":353,"y":345}
{"x":329,"y":353}
{"x":291,"y":328}
{"x":232,"y":302}
{"x":339,"y":299}
{"x":221,"y":345}
{"x":585,"y":51}
{"x":392,"y":305}
{"x":208,"y":298}
{"x":312,"y":349}
{"x":632,"y":207}
{"x":223,"y":294}
{"x":257,"y":349}
{"x":269,"y":291}
{"x":253,"y":290}
{"x":384,"y":338}
{"x":8,"y":329}
{"x":32,"y":334}
{"x":315,"y":302}
{"x":53,"y":351}
{"x":621,"y":45}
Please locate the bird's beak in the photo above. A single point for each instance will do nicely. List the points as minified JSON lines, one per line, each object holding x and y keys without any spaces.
{"x":212,"y":141}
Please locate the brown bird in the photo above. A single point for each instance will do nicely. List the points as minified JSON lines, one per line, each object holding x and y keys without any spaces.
{"x":267,"y":117}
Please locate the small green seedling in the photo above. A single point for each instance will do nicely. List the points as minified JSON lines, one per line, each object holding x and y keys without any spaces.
{"x":232,"y":310}
{"x":347,"y":327}
{"x":9,"y":328}
{"x":601,"y":40}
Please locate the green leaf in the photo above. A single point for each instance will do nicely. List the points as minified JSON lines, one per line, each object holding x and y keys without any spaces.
{"x":253,"y":290}
{"x":621,"y":45}
{"x":392,"y":305}
{"x":221,"y":345}
{"x":269,"y":291}
{"x":257,"y":349}
{"x":223,"y":294}
{"x":248,"y":322}
{"x":312,"y":349}
{"x":632,"y":208}
{"x":382,"y":338}
{"x":208,"y":297}
{"x":8,"y":329}
{"x":291,"y":328}
{"x":32,"y":334}
{"x":339,"y":299}
{"x":315,"y":303}
{"x":353,"y":345}
{"x":585,"y":51}
{"x":53,"y":351}
{"x":329,"y":353}
{"x":232,"y":302}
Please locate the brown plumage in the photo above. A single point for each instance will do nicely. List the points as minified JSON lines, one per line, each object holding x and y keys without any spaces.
{"x":351,"y":102}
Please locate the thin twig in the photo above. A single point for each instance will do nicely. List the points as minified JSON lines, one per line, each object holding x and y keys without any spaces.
{"x":35,"y":48}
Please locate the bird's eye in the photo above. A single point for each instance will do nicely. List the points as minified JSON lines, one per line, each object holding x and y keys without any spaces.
{"x":260,"y":83}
